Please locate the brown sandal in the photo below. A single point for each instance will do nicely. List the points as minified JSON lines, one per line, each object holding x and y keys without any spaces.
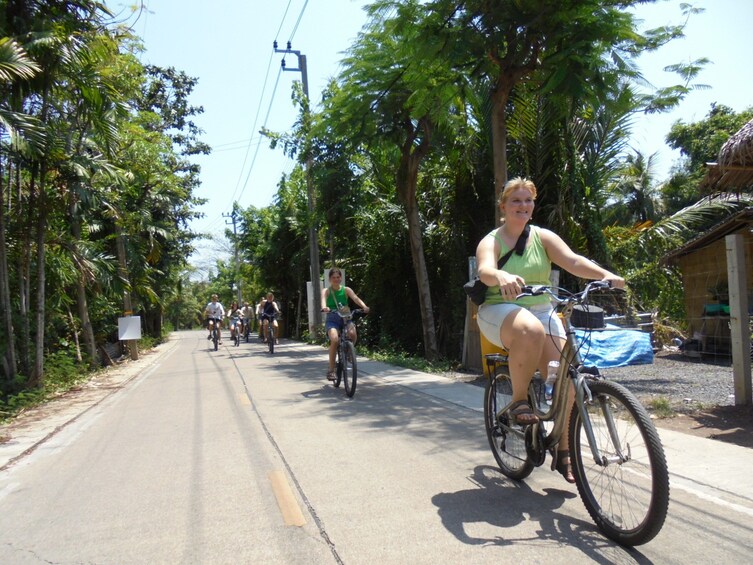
{"x":522,"y":413}
{"x":562,"y":465}
{"x":331,"y":376}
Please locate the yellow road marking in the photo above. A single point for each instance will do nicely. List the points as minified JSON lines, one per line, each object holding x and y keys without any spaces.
{"x":243,"y":397}
{"x":291,"y":512}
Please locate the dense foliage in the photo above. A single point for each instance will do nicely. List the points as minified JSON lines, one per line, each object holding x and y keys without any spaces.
{"x":96,"y":185}
{"x":438,"y":102}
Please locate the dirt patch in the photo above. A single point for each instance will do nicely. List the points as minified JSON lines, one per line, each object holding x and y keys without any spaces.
{"x":730,"y":424}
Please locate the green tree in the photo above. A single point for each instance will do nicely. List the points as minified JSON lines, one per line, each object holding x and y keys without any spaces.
{"x":399,"y":93}
{"x":699,"y":143}
{"x":634,"y":194}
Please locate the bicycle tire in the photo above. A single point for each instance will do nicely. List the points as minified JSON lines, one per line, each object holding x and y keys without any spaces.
{"x":350,"y":368}
{"x":271,"y":338}
{"x":338,"y":368}
{"x":628,"y":501}
{"x":215,"y":338}
{"x":507,"y":441}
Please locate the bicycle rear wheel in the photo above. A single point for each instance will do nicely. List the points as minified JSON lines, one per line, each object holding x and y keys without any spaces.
{"x":628,"y":496}
{"x":339,"y":366}
{"x":350,"y":371}
{"x":271,"y":338}
{"x":506,"y":439}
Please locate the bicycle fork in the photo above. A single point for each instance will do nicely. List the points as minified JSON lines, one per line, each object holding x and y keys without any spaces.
{"x":583,"y":398}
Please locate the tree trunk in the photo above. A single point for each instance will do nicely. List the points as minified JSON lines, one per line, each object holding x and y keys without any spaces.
{"x":81,"y":300}
{"x":24,"y":276}
{"x":500,"y":97}
{"x":521,"y":59}
{"x":123,"y":270}
{"x":407,"y":181}
{"x":37,"y":374}
{"x":83,"y":315}
{"x":9,"y":363}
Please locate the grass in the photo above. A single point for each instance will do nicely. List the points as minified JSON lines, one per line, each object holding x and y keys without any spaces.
{"x":411,"y":362}
{"x":661,"y":407}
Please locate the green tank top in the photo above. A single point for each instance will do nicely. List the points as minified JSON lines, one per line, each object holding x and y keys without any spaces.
{"x":534,"y":266}
{"x":336,"y":298}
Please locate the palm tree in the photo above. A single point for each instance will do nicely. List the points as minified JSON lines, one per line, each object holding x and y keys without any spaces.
{"x":19,"y":131}
{"x":634,"y":194}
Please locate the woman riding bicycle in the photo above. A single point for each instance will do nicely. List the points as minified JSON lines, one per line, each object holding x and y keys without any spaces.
{"x":334,"y":297}
{"x":269,"y":312}
{"x":234,"y":319}
{"x":529,"y":328}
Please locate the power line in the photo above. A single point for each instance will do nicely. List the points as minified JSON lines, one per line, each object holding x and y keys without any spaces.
{"x":266,"y":119}
{"x":240,"y":189}
{"x":297,"y":23}
{"x":233,"y":199}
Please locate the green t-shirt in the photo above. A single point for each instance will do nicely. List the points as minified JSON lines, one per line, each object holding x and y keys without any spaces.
{"x":336,"y":298}
{"x":534,"y":266}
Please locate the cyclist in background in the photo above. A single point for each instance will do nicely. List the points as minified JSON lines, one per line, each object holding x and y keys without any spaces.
{"x":234,"y":316}
{"x":334,"y":297}
{"x":247,"y":314}
{"x":259,"y":311}
{"x":269,"y":310}
{"x":214,"y":313}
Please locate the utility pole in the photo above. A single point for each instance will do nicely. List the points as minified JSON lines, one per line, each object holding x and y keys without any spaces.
{"x":236,"y":268}
{"x":313,"y":235}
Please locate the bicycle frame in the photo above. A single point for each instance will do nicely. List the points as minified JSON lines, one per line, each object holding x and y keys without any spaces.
{"x":625,"y":489}
{"x":558,"y":412}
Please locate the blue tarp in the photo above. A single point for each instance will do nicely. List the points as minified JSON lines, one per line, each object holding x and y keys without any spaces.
{"x":614,"y":347}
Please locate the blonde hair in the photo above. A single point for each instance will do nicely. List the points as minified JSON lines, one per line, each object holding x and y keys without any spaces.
{"x":514,"y":184}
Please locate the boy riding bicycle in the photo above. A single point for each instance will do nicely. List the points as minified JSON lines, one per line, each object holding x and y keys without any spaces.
{"x":214,"y":313}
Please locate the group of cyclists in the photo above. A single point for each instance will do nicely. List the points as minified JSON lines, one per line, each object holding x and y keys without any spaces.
{"x":238,"y":319}
{"x":334,"y":297}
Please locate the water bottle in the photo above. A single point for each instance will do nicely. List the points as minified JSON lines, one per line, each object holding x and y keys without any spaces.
{"x":551,"y":377}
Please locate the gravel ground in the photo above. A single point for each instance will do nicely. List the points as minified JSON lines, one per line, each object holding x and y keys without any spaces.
{"x":688,"y":384}
{"x":700,"y":393}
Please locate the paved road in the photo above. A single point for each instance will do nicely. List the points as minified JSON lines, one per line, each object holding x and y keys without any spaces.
{"x":238,"y":456}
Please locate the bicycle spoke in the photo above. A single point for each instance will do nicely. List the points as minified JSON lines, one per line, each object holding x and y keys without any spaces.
{"x":507,"y":441}
{"x":627,"y":490}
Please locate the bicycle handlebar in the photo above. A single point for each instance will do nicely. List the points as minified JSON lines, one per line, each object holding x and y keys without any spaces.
{"x":581,"y":296}
{"x":356,"y":312}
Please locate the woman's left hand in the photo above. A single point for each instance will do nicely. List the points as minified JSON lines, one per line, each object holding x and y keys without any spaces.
{"x":614,"y":281}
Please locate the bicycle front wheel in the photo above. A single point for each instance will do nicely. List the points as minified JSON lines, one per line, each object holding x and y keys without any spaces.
{"x":627,"y":492}
{"x":350,"y":371}
{"x":506,"y":439}
{"x":271,"y":338}
{"x":339,"y":367}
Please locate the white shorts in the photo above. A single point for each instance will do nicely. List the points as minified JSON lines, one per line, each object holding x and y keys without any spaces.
{"x":491,"y":316}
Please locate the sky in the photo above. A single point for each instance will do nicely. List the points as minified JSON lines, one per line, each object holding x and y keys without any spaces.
{"x":228,"y":46}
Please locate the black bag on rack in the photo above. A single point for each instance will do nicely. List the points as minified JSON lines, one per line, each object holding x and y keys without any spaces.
{"x":475,"y":289}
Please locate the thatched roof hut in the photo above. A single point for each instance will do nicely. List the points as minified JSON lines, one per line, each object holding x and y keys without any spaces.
{"x":734,"y":167}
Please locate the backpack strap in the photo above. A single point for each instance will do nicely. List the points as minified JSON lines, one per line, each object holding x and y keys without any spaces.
{"x":519,"y":249}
